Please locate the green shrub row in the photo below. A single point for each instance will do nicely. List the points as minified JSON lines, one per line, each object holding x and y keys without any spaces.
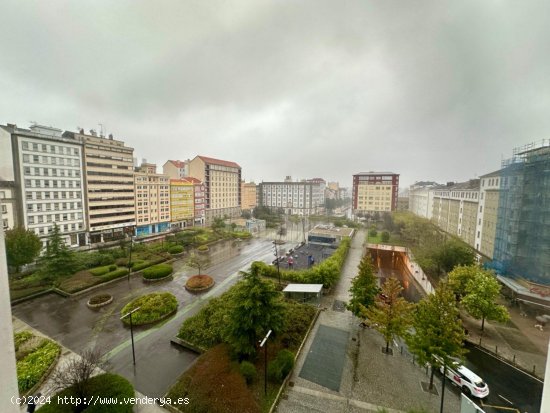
{"x":153,"y":307}
{"x":109,"y":386}
{"x":101,"y":270}
{"x":157,"y":271}
{"x":32,"y":367}
{"x":279,"y":368}
{"x":175,"y":249}
{"x":117,"y":273}
{"x":326,"y":273}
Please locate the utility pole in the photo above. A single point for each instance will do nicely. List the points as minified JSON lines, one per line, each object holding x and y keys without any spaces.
{"x":131,"y":331}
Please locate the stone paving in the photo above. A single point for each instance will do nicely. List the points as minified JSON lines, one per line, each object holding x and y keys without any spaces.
{"x":371,"y":381}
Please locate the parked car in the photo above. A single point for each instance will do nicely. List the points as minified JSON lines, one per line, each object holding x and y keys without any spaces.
{"x":470,"y":383}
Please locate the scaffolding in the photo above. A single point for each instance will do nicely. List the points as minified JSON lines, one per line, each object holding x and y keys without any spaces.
{"x":522,"y":244}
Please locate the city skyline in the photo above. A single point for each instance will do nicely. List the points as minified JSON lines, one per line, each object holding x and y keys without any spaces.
{"x":432,"y":91}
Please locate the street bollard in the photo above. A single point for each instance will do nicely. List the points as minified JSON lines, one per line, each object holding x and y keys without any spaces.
{"x":514,"y":359}
{"x":496,"y":350}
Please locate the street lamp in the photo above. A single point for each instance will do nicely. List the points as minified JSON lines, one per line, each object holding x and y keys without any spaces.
{"x":130,"y":258}
{"x":277,"y":259}
{"x":264,"y":341}
{"x":129,"y":314}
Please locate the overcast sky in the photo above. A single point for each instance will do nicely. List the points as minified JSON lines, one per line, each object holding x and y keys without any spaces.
{"x":432,"y":90}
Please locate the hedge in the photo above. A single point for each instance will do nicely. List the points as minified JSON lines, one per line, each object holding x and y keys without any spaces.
{"x":326,"y":273}
{"x":121,"y":272}
{"x":105,"y":386}
{"x":100,"y":270}
{"x":157,"y":271}
{"x":35,"y":364}
{"x":175,"y":249}
{"x":153,"y":307}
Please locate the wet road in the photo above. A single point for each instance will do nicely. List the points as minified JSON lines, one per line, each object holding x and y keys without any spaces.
{"x":158,"y":363}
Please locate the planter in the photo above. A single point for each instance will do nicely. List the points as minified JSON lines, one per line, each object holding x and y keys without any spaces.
{"x":204,"y":283}
{"x":108,"y":299}
{"x":204,"y":250}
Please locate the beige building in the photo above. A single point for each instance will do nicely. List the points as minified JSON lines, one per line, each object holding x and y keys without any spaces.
{"x":488,"y":213}
{"x":109,"y":186}
{"x":176,"y":169}
{"x":152,"y":200}
{"x":455,"y":209}
{"x":248,"y":195}
{"x":375,"y":192}
{"x":182,"y":203}
{"x":222,"y":182}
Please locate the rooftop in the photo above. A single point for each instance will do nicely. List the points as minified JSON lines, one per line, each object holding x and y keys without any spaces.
{"x":331,"y":230}
{"x":375,"y":173}
{"x":178,"y":164}
{"x":218,"y":161}
{"x":303,"y":288}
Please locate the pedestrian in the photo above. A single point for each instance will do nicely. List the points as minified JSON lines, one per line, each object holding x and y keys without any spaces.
{"x":31,"y":406}
{"x":290,"y":262}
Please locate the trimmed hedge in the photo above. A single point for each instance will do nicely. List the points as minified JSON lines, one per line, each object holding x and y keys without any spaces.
{"x":153,"y":307}
{"x":121,"y":272}
{"x":34,"y":365}
{"x":157,"y":271}
{"x":101,"y":270}
{"x":326,"y":273}
{"x":175,"y":249}
{"x":104,"y":385}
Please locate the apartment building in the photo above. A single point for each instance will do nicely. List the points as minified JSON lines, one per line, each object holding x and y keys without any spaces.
{"x":295,"y":198}
{"x":45,"y":185}
{"x":421,"y":198}
{"x":182,"y":203}
{"x":375,"y":192}
{"x":222,"y":184}
{"x":109,"y":183}
{"x":176,"y":169}
{"x":489,"y":192}
{"x":199,"y":199}
{"x":152,"y":200}
{"x":248,"y":195}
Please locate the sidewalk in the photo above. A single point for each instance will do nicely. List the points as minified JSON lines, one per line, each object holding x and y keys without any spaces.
{"x":66,"y":355}
{"x":371,"y":381}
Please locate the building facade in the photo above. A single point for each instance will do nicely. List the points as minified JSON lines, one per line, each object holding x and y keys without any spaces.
{"x":248,"y":195}
{"x":152,"y":201}
{"x":489,"y":194}
{"x":182,"y":203}
{"x":222,"y":184}
{"x":109,"y":184}
{"x":375,"y":192}
{"x":295,"y":198}
{"x":176,"y":169}
{"x":421,"y":198}
{"x":48,"y":184}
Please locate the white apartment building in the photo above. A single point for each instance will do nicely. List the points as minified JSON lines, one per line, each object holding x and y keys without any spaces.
{"x":489,"y":193}
{"x":295,"y":198}
{"x":421,"y":197}
{"x":47,"y":170}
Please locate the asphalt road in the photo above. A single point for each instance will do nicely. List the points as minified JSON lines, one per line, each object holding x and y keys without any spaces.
{"x":158,"y":363}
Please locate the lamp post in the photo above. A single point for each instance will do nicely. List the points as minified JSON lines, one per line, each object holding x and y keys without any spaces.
{"x":264,"y":342}
{"x":277,"y":259}
{"x":130,"y":258}
{"x":129,"y":314}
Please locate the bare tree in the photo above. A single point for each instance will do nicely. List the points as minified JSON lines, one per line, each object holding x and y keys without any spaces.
{"x":76,"y":372}
{"x":200,"y":262}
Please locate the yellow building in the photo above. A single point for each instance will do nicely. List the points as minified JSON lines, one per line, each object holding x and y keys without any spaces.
{"x":248,"y":195}
{"x":375,"y":191}
{"x":182,"y":203}
{"x":152,"y":200}
{"x":222,"y":183}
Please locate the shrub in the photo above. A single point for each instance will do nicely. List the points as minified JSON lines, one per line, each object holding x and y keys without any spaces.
{"x":100,"y":270}
{"x":20,"y":338}
{"x":34,"y":365}
{"x":112,"y":267}
{"x":157,"y":271}
{"x":248,"y":371}
{"x":122,"y":262}
{"x":140,"y":265}
{"x":279,"y":368}
{"x":153,"y":307}
{"x":121,"y":272}
{"x":373,"y":233}
{"x":175,"y":249}
{"x":104,"y":385}
{"x":202,"y":248}
{"x":385,"y":236}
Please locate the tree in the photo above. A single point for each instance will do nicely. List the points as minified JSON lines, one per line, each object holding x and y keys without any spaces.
{"x":246,"y":214}
{"x":22,"y":247}
{"x":452,"y":254}
{"x":439,"y":334}
{"x":364,"y":287}
{"x":76,"y":374}
{"x":385,"y":237}
{"x":58,"y":260}
{"x":200,"y":262}
{"x":391,"y":313}
{"x":218,"y":224}
{"x":480,"y":299}
{"x":459,"y":278}
{"x":256,"y":308}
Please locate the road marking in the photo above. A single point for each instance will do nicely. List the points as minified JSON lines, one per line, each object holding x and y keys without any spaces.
{"x":512,"y":409}
{"x":505,"y":399}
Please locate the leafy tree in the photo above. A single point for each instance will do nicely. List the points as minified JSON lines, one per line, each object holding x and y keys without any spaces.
{"x":439,"y":334}
{"x":58,"y":260}
{"x":218,"y":224}
{"x":246,"y":214}
{"x":364,"y":287}
{"x":373,"y":232}
{"x":200,"y":262}
{"x":480,"y":300}
{"x":256,"y":308}
{"x":22,"y":247}
{"x":460,"y":276}
{"x":454,"y":253}
{"x":391,"y":313}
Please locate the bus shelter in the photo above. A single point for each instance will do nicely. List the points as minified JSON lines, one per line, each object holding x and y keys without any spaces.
{"x":304,"y":293}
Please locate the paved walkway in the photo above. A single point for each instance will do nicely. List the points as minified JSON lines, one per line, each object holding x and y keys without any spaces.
{"x":47,"y":390}
{"x":371,"y":381}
